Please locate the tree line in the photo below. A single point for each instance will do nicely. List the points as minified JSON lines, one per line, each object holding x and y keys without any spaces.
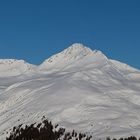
{"x":44,"y":131}
{"x":48,"y":131}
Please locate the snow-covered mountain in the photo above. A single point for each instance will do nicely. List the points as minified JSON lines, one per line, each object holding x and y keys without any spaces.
{"x":78,"y":88}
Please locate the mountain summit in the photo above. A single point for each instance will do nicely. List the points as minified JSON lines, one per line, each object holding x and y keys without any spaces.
{"x":70,"y":56}
{"x":77,"y":49}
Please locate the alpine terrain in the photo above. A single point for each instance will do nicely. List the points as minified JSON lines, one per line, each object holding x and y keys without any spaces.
{"x":78,"y":88}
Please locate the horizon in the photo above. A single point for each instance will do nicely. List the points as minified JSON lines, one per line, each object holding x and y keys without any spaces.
{"x":35,"y":30}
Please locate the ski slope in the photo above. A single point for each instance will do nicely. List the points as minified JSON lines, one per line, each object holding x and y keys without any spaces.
{"x":78,"y":88}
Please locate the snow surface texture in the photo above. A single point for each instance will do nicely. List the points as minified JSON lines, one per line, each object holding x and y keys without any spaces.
{"x":78,"y":88}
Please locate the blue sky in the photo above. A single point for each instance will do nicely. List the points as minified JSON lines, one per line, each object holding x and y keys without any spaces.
{"x":33,"y":30}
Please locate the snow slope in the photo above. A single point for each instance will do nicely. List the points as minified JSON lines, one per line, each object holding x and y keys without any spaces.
{"x":78,"y":88}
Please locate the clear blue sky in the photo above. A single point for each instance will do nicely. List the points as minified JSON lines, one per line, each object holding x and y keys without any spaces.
{"x":33,"y":30}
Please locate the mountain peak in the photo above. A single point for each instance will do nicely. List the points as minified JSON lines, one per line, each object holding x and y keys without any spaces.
{"x":72,"y":55}
{"x":78,"y":46}
{"x":77,"y":49}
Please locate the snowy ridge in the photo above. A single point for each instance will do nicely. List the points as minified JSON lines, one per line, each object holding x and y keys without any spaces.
{"x":123,"y":66}
{"x":78,"y":88}
{"x":13,"y":67}
{"x":70,"y":56}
